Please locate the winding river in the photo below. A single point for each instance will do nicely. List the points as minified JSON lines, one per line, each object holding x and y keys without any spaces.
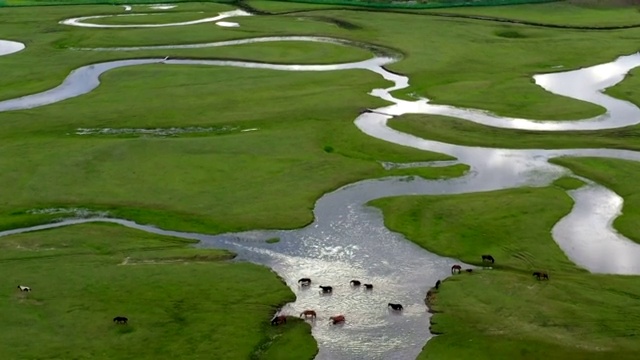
{"x":348,"y":240}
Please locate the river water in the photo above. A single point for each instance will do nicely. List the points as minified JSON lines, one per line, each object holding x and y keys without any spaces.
{"x":348,"y":240}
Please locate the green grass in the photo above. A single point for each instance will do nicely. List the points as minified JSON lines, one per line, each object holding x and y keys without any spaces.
{"x":569,"y":183}
{"x":557,"y":13}
{"x":505,"y":313}
{"x":284,"y":6}
{"x":462,"y":132}
{"x":178,"y":298}
{"x":203,"y":188}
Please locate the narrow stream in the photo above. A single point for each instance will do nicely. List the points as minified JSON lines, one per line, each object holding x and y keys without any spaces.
{"x":348,"y":240}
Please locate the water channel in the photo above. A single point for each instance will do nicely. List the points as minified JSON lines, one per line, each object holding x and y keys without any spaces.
{"x":348,"y":240}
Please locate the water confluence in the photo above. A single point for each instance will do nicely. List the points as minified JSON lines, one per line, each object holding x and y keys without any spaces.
{"x":348,"y":239}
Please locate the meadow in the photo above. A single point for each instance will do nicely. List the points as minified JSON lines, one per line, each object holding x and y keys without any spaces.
{"x":178,"y":299}
{"x":304,"y":145}
{"x":505,"y":313}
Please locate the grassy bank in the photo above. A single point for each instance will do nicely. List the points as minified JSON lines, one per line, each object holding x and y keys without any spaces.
{"x":462,"y":132}
{"x":178,"y":300}
{"x":617,"y":175}
{"x":505,"y":313}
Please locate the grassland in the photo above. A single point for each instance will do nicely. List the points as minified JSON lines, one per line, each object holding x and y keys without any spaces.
{"x":505,"y":313}
{"x":305,"y":145}
{"x":219,"y":197}
{"x":210,"y":183}
{"x":561,"y":13}
{"x":178,"y":299}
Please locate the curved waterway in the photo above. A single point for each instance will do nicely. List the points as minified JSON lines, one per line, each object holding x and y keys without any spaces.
{"x":348,"y":240}
{"x":82,"y":21}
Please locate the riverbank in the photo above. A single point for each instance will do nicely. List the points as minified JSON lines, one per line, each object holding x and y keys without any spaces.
{"x":619,"y":176}
{"x":505,"y":312}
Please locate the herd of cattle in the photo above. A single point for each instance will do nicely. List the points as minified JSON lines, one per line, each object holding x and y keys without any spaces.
{"x":336,"y":319}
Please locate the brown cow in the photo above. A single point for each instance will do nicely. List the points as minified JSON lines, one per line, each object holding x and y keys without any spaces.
{"x":308,"y":313}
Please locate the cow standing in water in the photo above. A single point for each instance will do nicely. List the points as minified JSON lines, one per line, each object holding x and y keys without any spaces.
{"x":308,"y":313}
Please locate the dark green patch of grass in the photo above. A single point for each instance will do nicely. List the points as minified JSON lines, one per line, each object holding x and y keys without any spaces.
{"x":569,"y":183}
{"x":273,"y":240}
{"x":511,"y":34}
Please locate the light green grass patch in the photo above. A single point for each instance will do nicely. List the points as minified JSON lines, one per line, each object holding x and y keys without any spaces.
{"x":212,"y":183}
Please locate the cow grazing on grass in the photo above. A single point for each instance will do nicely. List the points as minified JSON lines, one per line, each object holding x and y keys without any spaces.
{"x":24,"y":288}
{"x":280,"y":319}
{"x":541,"y":275}
{"x":120,"y":320}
